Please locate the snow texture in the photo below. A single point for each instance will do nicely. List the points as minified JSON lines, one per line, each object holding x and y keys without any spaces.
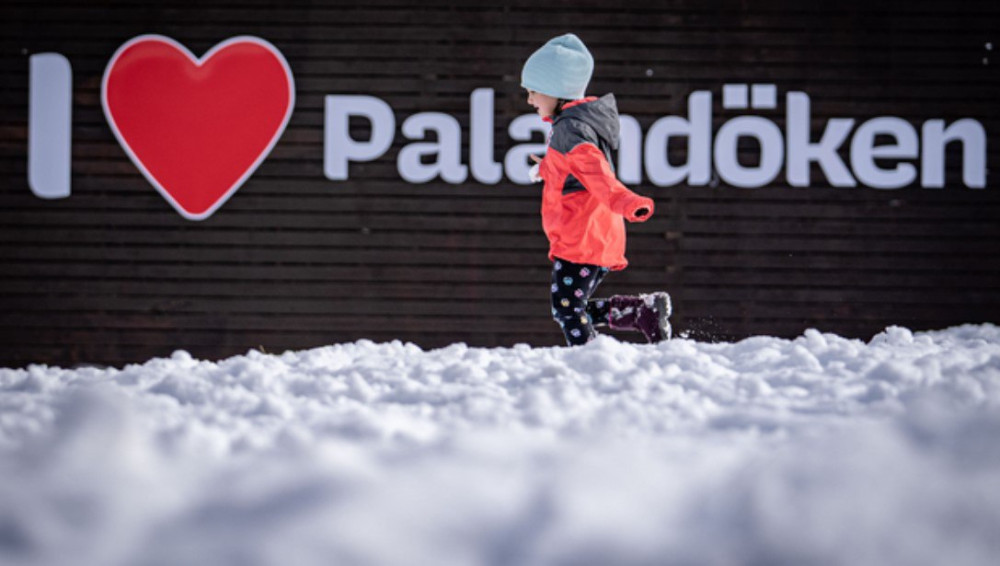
{"x":819,"y":450}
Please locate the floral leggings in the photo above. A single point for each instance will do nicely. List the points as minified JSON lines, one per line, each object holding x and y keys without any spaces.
{"x":572,"y":286}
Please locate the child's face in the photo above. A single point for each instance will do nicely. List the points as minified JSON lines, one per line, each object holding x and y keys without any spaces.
{"x":544,"y":104}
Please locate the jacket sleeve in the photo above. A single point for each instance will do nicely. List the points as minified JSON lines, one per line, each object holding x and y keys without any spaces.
{"x":589,"y":165}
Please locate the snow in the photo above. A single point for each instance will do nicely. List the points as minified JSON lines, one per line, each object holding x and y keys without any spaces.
{"x":817,"y":450}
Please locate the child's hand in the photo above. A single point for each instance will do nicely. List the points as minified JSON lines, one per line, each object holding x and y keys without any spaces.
{"x":533,"y":173}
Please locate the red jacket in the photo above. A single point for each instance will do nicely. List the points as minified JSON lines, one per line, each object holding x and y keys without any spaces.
{"x":584,"y":206}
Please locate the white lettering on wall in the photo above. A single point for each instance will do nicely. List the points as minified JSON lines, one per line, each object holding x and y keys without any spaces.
{"x":971,"y":134}
{"x":446,"y":152}
{"x":484,"y":168}
{"x":801,"y":151}
{"x":883,"y":151}
{"x":517,"y":162}
{"x":339,"y":148}
{"x":772,"y":151}
{"x":630,"y":151}
{"x":697,"y":128}
{"x":50,"y":88}
{"x":864,"y":152}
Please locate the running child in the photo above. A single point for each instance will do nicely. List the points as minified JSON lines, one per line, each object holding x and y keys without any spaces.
{"x":584,"y":205}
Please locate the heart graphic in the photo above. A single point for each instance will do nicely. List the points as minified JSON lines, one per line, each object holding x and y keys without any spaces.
{"x":197,"y":128}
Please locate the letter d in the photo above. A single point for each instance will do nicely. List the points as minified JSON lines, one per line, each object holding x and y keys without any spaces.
{"x":339,"y":148}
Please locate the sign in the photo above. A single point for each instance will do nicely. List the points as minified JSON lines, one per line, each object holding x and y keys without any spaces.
{"x":792,"y":150}
{"x":198,"y":128}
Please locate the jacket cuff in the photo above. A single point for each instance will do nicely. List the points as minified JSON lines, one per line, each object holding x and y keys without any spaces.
{"x":644,"y":206}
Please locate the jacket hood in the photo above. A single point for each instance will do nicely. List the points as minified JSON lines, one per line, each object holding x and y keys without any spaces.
{"x":601,"y":115}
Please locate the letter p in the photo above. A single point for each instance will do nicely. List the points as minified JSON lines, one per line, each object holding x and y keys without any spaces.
{"x":339,"y":148}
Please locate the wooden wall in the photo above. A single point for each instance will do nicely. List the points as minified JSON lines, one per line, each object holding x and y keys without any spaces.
{"x":114,"y":275}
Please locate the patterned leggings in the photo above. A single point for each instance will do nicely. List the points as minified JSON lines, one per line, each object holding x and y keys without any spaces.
{"x":572,"y":286}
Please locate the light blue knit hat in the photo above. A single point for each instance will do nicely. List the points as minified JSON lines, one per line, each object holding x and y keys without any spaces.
{"x":560,"y":68}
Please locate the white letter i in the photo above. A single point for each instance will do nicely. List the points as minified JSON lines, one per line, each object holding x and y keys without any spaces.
{"x":50,"y":109}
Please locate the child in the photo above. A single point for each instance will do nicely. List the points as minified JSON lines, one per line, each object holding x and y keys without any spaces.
{"x":584,"y":206}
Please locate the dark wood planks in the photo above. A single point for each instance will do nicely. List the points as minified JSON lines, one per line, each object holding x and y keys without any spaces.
{"x":113,"y":275}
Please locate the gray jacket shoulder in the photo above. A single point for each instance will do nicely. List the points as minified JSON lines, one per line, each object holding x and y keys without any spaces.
{"x":568,"y":133}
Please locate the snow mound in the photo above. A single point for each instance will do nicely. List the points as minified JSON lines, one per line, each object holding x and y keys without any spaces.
{"x":817,"y":450}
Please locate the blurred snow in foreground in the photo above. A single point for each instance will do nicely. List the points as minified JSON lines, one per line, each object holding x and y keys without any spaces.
{"x":818,"y":450}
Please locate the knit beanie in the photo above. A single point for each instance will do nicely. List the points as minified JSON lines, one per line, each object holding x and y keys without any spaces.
{"x":561,"y":68}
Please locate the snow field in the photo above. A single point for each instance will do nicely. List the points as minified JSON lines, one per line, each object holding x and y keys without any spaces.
{"x":817,"y":450}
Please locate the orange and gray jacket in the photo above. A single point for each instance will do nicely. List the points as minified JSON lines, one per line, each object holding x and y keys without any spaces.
{"x":584,"y":206}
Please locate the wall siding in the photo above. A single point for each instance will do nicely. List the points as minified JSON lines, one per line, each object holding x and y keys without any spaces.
{"x":114,"y":275}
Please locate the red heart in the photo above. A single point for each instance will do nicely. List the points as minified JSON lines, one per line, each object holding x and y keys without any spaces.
{"x":197,"y":128}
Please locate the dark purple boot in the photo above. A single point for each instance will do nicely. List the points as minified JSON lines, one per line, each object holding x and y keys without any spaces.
{"x":646,"y":313}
